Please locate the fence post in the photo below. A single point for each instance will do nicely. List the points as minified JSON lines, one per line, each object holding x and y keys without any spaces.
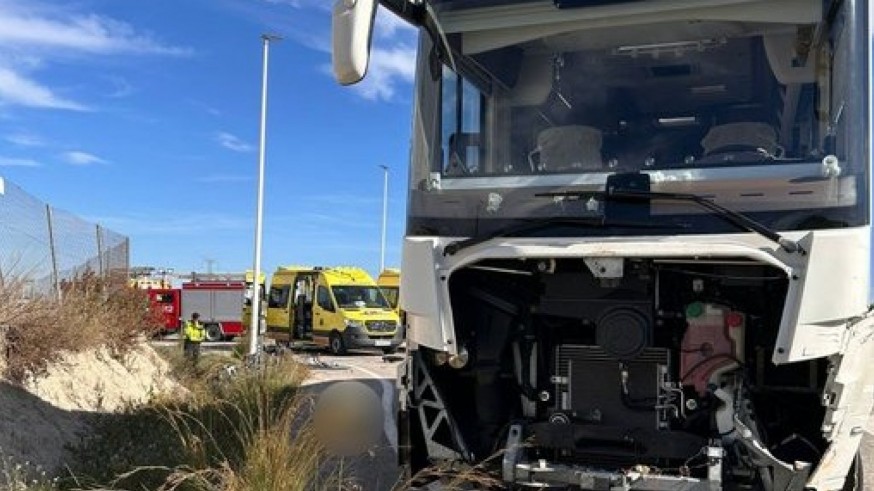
{"x":99,"y":251}
{"x":55,"y":276}
{"x":126,"y":257}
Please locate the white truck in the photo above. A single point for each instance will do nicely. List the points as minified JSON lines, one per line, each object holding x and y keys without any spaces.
{"x":638,"y":244}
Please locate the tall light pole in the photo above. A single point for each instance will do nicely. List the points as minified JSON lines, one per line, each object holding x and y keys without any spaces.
{"x":384,"y":216}
{"x":255,"y":321}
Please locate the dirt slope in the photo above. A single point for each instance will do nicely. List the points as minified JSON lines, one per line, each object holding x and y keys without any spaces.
{"x":39,"y":418}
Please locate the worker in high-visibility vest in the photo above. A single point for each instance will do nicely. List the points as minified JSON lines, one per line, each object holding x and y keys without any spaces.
{"x":194,"y":333}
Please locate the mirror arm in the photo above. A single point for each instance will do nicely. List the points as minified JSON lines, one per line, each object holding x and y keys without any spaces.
{"x":414,"y":13}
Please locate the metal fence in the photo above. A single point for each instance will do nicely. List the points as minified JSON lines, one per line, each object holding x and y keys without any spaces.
{"x":45,"y":247}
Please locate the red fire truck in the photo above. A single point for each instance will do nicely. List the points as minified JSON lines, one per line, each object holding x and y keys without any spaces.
{"x":217,"y":302}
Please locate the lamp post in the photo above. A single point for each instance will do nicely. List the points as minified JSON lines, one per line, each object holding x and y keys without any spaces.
{"x":255,"y":322}
{"x":384,"y":216}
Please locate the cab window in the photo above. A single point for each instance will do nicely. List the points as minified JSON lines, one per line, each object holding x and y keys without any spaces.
{"x":278,"y":296}
{"x":323,"y":297}
{"x":164,"y":298}
{"x":464,"y":106}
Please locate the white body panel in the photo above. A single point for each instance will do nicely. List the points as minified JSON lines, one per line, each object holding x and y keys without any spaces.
{"x":212,"y":305}
{"x":829,"y":284}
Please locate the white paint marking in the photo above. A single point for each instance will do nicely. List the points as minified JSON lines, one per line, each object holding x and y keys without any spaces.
{"x":388,"y":424}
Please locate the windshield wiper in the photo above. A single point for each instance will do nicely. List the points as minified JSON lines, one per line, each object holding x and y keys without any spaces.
{"x":737,"y":219}
{"x":535,"y":224}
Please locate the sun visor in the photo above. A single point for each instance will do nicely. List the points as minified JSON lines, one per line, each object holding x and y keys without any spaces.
{"x":783,"y":58}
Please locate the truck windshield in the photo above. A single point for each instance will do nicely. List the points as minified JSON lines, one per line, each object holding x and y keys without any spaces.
{"x":391,"y":294}
{"x":356,"y":297}
{"x":764,"y":117}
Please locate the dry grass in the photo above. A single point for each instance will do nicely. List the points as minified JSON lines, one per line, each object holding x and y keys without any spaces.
{"x":248,"y":432}
{"x":92,"y":313}
{"x":17,"y":476}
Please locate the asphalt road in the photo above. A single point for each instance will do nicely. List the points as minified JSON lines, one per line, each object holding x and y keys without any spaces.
{"x":377,"y":470}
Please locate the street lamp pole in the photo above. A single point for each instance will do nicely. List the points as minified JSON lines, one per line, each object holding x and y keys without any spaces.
{"x":384,"y":216}
{"x":255,"y":321}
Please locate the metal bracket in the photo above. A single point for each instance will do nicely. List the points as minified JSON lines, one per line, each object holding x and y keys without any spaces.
{"x":433,"y":414}
{"x":776,"y":474}
{"x":605,"y":267}
{"x":512,"y":452}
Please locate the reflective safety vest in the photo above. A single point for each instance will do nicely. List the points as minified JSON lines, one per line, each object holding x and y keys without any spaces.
{"x":194,"y":331}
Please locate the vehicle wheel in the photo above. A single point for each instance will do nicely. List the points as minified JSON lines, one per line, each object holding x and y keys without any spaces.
{"x":855,"y":478}
{"x":213,"y":332}
{"x":336,"y":344}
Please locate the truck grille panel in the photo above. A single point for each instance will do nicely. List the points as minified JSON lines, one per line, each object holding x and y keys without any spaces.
{"x":380,"y":326}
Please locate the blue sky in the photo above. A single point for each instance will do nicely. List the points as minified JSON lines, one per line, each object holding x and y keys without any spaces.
{"x":144,"y":116}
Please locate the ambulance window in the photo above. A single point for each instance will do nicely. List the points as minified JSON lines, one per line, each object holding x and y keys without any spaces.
{"x":278,"y":296}
{"x":324,"y":299}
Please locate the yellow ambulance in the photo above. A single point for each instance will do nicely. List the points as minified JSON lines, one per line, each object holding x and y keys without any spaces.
{"x":389,"y":282}
{"x":341,"y":308}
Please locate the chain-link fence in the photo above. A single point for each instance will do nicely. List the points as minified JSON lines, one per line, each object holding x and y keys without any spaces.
{"x":47,"y":248}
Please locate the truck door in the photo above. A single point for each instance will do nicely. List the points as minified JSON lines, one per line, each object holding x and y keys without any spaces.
{"x":277,"y":308}
{"x":301,"y":306}
{"x":324,"y":312}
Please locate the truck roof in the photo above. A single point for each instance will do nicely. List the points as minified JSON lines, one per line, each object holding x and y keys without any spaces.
{"x":390,"y":277}
{"x":338,"y":275}
{"x":250,"y":275}
{"x":213,"y":285}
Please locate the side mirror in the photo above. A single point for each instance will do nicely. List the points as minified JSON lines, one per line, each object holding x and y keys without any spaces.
{"x":352,"y":26}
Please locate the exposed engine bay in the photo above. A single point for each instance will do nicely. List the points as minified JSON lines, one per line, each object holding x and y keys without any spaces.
{"x":614,"y":374}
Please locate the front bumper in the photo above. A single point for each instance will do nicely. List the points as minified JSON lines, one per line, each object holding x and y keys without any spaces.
{"x":357,"y":337}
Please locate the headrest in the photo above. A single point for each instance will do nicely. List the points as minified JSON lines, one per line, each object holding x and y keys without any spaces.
{"x":753,"y":135}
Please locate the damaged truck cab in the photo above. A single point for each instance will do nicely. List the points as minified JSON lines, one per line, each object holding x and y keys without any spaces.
{"x":638,"y":241}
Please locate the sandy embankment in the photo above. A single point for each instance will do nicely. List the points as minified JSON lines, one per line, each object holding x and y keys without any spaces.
{"x":39,"y":418}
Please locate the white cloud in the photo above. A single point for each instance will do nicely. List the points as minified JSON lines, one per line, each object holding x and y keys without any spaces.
{"x":388,"y":68}
{"x":16,"y":90}
{"x":35,"y":33}
{"x":78,"y":157}
{"x":24,"y":139}
{"x":34,"y":28}
{"x":232,"y":142}
{"x":16,"y":162}
{"x":389,"y":25}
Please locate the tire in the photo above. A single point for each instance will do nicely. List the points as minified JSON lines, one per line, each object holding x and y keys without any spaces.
{"x":856,"y":476}
{"x":214,"y":332}
{"x":336,"y":344}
